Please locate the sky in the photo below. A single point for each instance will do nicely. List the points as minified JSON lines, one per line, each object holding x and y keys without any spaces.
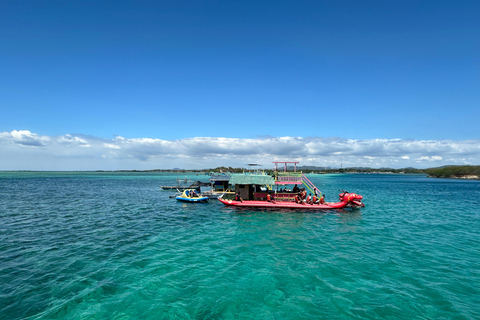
{"x":119,"y":85}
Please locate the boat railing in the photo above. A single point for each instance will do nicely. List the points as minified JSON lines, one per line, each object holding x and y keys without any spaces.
{"x":288,"y":177}
{"x":309,"y":184}
{"x":285,"y":197}
{"x":295,"y":178}
{"x":278,"y":197}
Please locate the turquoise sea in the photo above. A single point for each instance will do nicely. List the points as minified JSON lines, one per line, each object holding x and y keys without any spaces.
{"x":99,"y":245}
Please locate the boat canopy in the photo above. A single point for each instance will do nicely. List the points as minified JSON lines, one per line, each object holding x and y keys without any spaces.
{"x":199,"y":183}
{"x":256,"y":179}
{"x":220,"y":178}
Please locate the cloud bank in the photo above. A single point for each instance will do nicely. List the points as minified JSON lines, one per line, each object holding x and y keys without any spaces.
{"x":24,"y":150}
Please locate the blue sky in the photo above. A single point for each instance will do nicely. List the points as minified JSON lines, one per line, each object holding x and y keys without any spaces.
{"x":256,"y":73}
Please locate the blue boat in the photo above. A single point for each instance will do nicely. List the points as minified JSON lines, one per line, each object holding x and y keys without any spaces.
{"x":191,"y":195}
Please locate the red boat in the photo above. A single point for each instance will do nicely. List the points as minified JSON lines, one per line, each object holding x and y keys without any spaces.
{"x":347,"y":200}
{"x":257,"y":191}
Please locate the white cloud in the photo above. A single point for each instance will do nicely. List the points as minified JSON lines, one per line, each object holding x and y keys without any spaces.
{"x":24,"y":137}
{"x":24,"y":150}
{"x":111,"y":146}
{"x":431,"y":159}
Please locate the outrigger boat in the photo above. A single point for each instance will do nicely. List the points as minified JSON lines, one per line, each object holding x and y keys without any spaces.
{"x":184,"y":184}
{"x":219,"y":186}
{"x":350,"y":200}
{"x":257,"y":191}
{"x":190,"y":195}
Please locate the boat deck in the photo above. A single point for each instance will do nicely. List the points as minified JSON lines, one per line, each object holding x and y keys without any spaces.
{"x":283,"y":205}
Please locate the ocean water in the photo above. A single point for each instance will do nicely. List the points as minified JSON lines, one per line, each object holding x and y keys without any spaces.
{"x":115,"y":246}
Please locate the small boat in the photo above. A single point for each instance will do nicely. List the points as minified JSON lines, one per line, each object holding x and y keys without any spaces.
{"x":191,"y":195}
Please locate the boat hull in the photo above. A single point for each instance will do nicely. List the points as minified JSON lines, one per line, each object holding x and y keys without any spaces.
{"x":199,"y":199}
{"x":284,"y":205}
{"x":178,"y":188}
{"x":215,"y":194}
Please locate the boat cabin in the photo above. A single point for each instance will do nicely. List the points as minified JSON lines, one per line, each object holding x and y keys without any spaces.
{"x":252,"y":186}
{"x":220,"y":183}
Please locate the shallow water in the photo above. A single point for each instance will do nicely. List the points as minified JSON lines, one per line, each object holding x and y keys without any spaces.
{"x":114,"y":246}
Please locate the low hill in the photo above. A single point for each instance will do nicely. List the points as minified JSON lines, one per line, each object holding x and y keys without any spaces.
{"x":457,"y":172}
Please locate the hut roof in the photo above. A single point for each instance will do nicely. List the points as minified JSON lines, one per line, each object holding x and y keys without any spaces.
{"x":251,"y":179}
{"x":220,"y":178}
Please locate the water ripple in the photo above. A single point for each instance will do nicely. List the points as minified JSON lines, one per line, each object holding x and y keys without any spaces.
{"x":97,"y":245}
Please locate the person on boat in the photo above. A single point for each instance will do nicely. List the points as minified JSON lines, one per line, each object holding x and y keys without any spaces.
{"x":238,"y":198}
{"x":314,"y":199}
{"x":269,"y":197}
{"x":309,"y":199}
{"x":322,"y":199}
{"x":304,"y":196}
{"x":297,"y":198}
{"x":193,"y":194}
{"x":295,"y":189}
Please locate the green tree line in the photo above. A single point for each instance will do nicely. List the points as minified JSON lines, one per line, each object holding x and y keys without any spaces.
{"x":453,"y":171}
{"x":440,"y":172}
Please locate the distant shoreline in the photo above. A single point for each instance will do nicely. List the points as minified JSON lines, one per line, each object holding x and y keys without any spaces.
{"x":462,"y":177}
{"x":467,"y":172}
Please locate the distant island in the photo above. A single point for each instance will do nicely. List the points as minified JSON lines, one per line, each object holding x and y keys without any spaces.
{"x":452,"y":172}
{"x":455,"y":172}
